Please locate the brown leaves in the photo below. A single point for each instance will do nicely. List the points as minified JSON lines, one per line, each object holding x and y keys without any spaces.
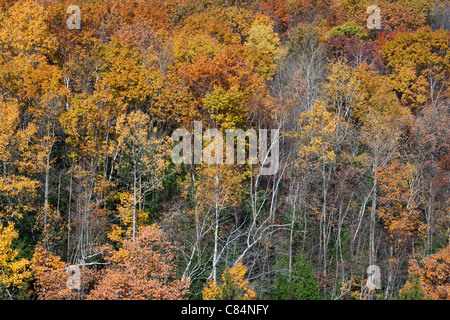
{"x":139,"y":34}
{"x":433,"y":272}
{"x":141,"y":270}
{"x":399,"y":206}
{"x":50,"y":275}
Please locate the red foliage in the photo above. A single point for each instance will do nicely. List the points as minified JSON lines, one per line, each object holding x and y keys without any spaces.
{"x":354,"y":50}
{"x":278,"y":12}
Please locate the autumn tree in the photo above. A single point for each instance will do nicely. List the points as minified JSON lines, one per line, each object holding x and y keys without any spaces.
{"x":263,"y":45}
{"x":316,"y":150}
{"x":16,"y":155}
{"x":354,"y":50}
{"x":419,"y":65}
{"x":90,"y":124}
{"x":14,"y":271}
{"x":142,"y":156}
{"x":51,"y":277}
{"x":141,"y":269}
{"x":300,"y":72}
{"x":278,"y":11}
{"x":401,"y":213}
{"x":383,"y":119}
{"x":398,"y":203}
{"x":430,"y":139}
{"x":394,"y":14}
{"x":233,"y":286}
{"x":216,"y":51}
{"x":57,"y":280}
{"x":429,"y":276}
{"x":214,"y":192}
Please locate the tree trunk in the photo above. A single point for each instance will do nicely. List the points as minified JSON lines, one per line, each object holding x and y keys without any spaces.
{"x":134,"y":204}
{"x":216,"y":234}
{"x":372,"y":255}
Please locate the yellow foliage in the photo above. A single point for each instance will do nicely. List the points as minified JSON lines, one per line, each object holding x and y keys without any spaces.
{"x":13,"y":272}
{"x":344,"y":92}
{"x":317,"y":128}
{"x":24,"y":30}
{"x":144,"y":162}
{"x":17,"y":145}
{"x":49,"y":224}
{"x":417,"y":59}
{"x":232,"y":287}
{"x":227,"y":107}
{"x":125,"y":213}
{"x":138,"y":139}
{"x":399,"y":208}
{"x":355,"y":289}
{"x":377,"y":95}
{"x":263,"y":48}
{"x":218,"y":185}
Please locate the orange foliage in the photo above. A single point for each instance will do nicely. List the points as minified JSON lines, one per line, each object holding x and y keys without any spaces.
{"x":417,"y":59}
{"x":141,"y":270}
{"x":398,"y":203}
{"x":433,"y":272}
{"x":51,"y":276}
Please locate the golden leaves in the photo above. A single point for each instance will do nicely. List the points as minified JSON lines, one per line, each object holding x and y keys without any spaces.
{"x":13,"y":271}
{"x":315,"y":135}
{"x":232,"y":287}
{"x":24,"y":31}
{"x":418,"y":60}
{"x":227,"y":107}
{"x":50,"y":225}
{"x":19,"y":154}
{"x":17,"y":146}
{"x":218,"y":186}
{"x":263,"y":48}
{"x":433,"y":272}
{"x":398,"y":203}
{"x":140,"y":144}
{"x":125,"y":214}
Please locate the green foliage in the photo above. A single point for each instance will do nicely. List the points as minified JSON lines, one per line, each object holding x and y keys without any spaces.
{"x":413,"y":291}
{"x":301,"y":285}
{"x":349,"y":29}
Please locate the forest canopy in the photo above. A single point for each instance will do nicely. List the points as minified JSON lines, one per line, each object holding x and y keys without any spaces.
{"x":92,"y":206}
